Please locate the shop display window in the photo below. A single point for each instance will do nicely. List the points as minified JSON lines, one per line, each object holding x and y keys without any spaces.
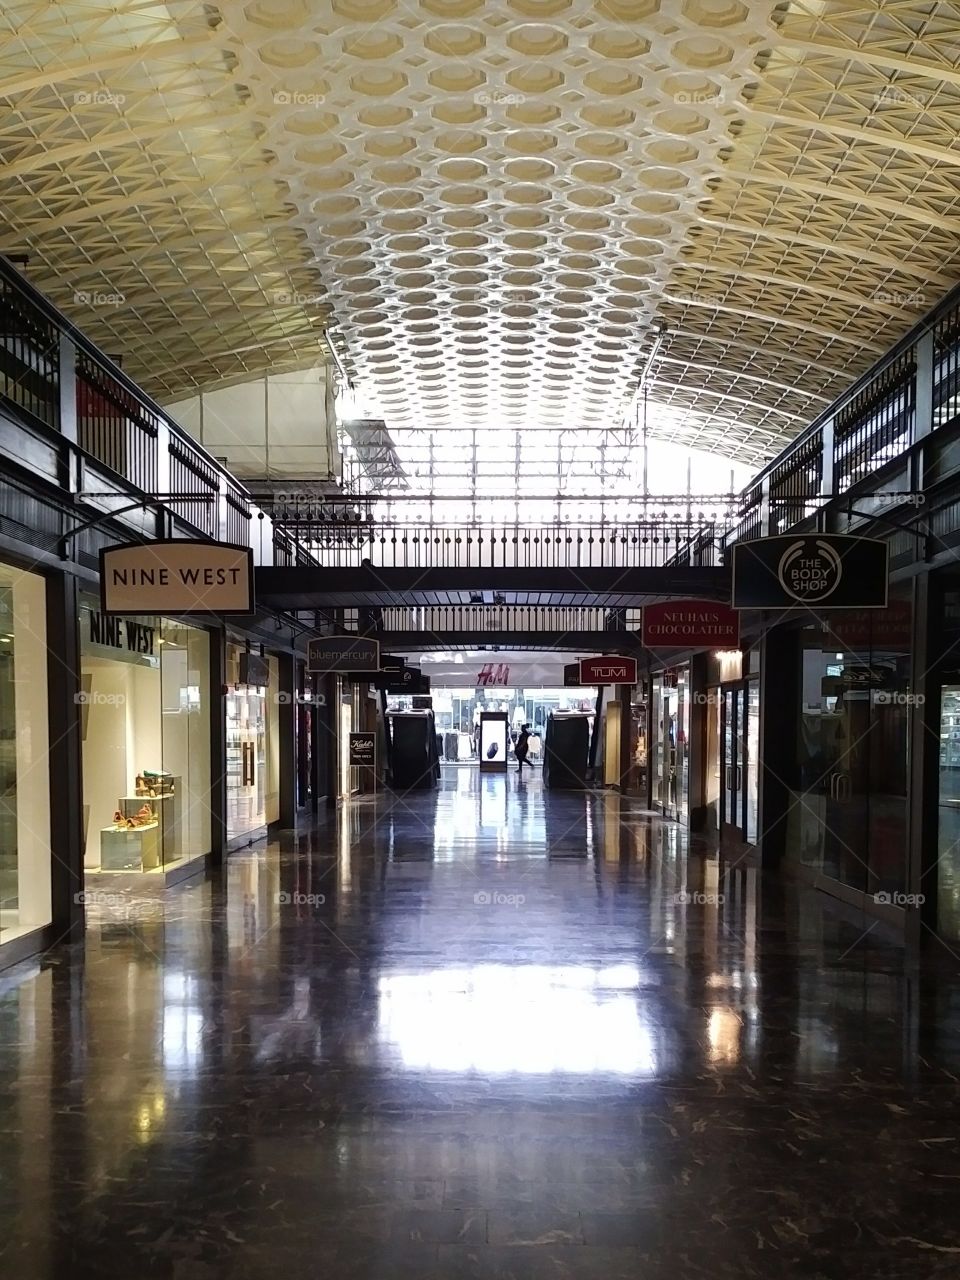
{"x":25,"y":901}
{"x":146,"y":742}
{"x":251,"y":715}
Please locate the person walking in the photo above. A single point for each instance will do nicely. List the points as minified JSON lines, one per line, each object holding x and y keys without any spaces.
{"x":522,"y":747}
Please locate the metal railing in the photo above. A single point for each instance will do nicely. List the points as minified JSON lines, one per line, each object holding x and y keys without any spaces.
{"x":50,"y":371}
{"x":428,"y":545}
{"x":444,"y":619}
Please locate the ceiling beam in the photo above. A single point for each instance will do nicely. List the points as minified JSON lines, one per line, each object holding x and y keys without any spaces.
{"x":134,"y":136}
{"x":824,"y":245}
{"x":872,"y":57}
{"x":852,"y":133}
{"x":769,"y":317}
{"x":785,"y":282}
{"x":834,"y":192}
{"x":703,"y":366}
{"x":55,"y":73}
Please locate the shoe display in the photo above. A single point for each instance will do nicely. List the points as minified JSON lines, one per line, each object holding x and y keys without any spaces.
{"x":492,"y":750}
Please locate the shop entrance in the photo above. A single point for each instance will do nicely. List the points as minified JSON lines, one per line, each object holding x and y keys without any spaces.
{"x":948,"y":810}
{"x":739,"y":741}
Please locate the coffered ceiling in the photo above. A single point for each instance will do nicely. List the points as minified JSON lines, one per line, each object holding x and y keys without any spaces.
{"x":493,"y":205}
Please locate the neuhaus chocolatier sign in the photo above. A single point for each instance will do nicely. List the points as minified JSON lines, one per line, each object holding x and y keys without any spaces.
{"x":177,"y":577}
{"x":682,"y":624}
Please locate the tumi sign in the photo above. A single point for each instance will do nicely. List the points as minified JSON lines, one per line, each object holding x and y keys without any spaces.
{"x":615,"y":670}
{"x":176,"y":577}
{"x":685,"y":624}
{"x":819,"y":570}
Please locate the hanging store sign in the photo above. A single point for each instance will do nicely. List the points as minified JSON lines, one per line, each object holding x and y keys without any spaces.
{"x":613,"y":670}
{"x":819,"y":570}
{"x":571,"y":675}
{"x":887,"y":629}
{"x":254,"y":670}
{"x":363,"y":750}
{"x":177,"y":577}
{"x":343,"y":653}
{"x":685,"y":624}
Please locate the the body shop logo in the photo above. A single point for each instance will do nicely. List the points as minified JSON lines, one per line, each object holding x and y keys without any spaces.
{"x":810,"y":570}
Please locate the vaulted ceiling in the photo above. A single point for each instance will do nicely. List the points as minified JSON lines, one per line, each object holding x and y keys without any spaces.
{"x":493,"y":205}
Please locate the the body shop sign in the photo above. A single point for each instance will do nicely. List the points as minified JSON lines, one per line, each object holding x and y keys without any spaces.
{"x":177,"y":577}
{"x":819,"y":570}
{"x":685,"y":624}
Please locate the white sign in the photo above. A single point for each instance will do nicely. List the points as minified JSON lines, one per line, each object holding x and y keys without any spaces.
{"x":178,"y":577}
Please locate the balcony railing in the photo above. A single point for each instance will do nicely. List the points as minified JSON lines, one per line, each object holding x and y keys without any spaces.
{"x":55,"y":376}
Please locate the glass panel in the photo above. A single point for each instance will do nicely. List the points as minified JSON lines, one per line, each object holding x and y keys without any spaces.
{"x":182,"y":800}
{"x":25,"y":901}
{"x":729,"y":813}
{"x":948,"y":893}
{"x":750,"y":763}
{"x":246,"y":728}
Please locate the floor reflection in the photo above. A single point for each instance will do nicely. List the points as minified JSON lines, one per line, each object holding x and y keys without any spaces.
{"x":529,"y":1019}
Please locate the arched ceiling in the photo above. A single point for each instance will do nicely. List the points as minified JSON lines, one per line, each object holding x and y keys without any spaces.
{"x":493,"y":203}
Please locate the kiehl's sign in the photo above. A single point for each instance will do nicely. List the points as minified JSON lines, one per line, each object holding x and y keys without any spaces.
{"x":682,"y":624}
{"x":177,"y":577}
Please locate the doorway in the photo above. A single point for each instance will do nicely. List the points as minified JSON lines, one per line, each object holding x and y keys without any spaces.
{"x":739,"y":771}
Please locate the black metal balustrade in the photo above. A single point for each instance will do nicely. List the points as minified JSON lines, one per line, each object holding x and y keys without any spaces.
{"x":59,"y":378}
{"x":430,"y":545}
{"x":444,"y":619}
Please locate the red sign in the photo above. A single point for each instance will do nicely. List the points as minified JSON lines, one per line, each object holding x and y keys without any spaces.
{"x":493,"y":673}
{"x":887,"y":629}
{"x":613,"y":670}
{"x":690,"y":624}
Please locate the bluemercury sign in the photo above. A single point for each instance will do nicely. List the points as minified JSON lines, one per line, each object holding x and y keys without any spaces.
{"x":176,"y":577}
{"x":612,"y":670}
{"x":343,"y":653}
{"x":819,"y":570}
{"x":363,"y":750}
{"x":684,"y":624}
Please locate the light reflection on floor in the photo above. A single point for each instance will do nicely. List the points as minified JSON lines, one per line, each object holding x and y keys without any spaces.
{"x":530,"y":1020}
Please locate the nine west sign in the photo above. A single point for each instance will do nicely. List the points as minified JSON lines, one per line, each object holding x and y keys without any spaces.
{"x":178,"y":577}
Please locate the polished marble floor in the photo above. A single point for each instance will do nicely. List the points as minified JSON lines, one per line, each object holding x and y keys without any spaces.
{"x":483,"y":1032}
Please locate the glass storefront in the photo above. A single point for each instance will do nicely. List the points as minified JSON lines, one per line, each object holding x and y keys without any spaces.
{"x":848,"y":801}
{"x":457,"y":715}
{"x":25,"y":799}
{"x":251,"y":712}
{"x":145,"y":725}
{"x":669,"y":741}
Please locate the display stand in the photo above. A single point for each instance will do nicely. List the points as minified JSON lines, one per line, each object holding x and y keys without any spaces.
{"x":154,"y":845}
{"x":494,"y":741}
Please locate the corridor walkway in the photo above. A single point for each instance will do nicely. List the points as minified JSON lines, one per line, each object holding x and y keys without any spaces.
{"x":483,"y":1032}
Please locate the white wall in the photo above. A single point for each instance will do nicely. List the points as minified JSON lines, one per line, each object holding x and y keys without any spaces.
{"x":33,"y":774}
{"x":281,"y":425}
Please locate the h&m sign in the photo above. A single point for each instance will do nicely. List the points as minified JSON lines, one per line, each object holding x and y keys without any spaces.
{"x":177,"y":576}
{"x":122,"y":633}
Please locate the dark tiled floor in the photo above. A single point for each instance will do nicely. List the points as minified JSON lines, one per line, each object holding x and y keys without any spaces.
{"x":480,"y":1033}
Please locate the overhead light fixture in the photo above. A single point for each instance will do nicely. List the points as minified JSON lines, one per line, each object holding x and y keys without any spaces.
{"x":341,"y":367}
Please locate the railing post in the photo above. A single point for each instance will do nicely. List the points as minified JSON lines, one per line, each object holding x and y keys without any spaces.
{"x":164,"y":483}
{"x":826,"y":459}
{"x":765,"y":507}
{"x":923,"y":400}
{"x":68,"y":390}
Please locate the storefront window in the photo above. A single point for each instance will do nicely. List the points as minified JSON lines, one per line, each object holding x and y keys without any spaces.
{"x":252,"y":767}
{"x":669,"y":744}
{"x":848,"y":807}
{"x":25,"y":901}
{"x":146,"y":742}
